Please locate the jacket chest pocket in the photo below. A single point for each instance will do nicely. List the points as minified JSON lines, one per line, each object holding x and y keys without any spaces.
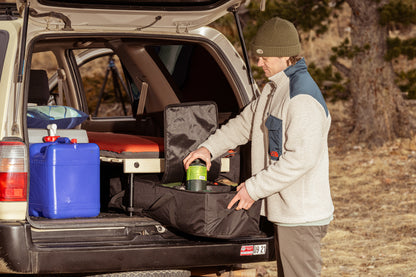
{"x":274,"y":126}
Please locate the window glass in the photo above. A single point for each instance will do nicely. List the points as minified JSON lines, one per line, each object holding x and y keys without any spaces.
{"x":105,"y":87}
{"x":4,"y":40}
{"x":45,"y":61}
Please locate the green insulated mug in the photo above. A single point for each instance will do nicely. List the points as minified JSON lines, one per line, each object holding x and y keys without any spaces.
{"x":196,"y":176}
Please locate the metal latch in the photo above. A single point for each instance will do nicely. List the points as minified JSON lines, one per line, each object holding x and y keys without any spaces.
{"x":182,"y":26}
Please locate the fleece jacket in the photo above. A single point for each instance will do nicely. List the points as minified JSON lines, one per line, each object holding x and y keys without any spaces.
{"x":288,"y":127}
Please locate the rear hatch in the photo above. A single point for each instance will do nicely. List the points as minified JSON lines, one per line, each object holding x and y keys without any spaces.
{"x":159,"y":15}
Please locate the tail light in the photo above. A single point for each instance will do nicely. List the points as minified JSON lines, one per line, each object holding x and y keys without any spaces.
{"x":13,"y":171}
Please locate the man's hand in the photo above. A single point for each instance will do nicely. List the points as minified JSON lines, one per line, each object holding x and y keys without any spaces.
{"x":242,"y":195}
{"x":201,"y":153}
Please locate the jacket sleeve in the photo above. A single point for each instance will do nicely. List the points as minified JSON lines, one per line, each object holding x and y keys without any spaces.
{"x":235,"y":132}
{"x":304,"y":130}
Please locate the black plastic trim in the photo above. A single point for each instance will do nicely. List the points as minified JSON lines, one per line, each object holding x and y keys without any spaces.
{"x":15,"y":242}
{"x":165,"y":5}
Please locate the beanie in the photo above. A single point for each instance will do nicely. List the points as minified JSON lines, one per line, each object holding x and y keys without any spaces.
{"x":277,"y":38}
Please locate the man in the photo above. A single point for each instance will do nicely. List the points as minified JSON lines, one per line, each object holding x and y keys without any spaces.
{"x":288,"y":126}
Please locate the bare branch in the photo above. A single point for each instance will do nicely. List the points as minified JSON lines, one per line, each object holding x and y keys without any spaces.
{"x":342,"y":68}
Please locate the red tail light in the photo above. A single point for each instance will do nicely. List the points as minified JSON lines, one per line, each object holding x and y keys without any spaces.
{"x":13,"y":171}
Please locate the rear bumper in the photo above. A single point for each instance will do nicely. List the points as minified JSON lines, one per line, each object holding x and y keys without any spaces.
{"x":19,"y":254}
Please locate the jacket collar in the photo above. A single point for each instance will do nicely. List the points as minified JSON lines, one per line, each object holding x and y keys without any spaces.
{"x":277,"y":77}
{"x":291,"y":70}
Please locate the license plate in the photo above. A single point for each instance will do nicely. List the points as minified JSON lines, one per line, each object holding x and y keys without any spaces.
{"x":252,"y":250}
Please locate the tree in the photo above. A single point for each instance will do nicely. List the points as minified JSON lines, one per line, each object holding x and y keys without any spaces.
{"x":378,"y":109}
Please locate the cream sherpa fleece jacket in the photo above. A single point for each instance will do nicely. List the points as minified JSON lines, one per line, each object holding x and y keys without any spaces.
{"x":288,"y":126}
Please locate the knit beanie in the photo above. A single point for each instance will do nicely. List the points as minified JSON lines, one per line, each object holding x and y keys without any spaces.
{"x":277,"y":38}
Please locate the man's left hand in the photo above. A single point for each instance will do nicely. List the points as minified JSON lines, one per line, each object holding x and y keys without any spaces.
{"x":242,"y":195}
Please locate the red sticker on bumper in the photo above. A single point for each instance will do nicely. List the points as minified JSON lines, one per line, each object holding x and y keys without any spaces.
{"x":246,"y":250}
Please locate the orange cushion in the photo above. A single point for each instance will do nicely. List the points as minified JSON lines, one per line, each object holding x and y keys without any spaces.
{"x":123,"y":143}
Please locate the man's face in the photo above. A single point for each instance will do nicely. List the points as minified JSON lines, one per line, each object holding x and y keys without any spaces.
{"x":272,"y":65}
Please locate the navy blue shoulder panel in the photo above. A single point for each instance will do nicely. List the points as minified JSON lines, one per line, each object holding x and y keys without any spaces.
{"x":301,"y":82}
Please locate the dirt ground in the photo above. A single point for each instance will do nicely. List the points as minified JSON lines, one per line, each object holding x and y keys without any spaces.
{"x":374,"y":192}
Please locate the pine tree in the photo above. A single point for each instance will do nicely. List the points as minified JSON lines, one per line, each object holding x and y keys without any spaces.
{"x":379,"y":110}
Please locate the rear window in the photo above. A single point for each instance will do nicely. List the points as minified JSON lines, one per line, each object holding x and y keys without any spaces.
{"x":4,"y":40}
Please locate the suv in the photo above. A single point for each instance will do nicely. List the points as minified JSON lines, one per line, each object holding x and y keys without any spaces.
{"x":117,"y":64}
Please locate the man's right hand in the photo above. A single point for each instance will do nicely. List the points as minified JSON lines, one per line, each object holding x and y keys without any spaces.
{"x":201,"y":153}
{"x":242,"y":197}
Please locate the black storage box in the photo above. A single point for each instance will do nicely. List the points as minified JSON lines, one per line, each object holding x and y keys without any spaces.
{"x":202,"y":213}
{"x":199,"y":213}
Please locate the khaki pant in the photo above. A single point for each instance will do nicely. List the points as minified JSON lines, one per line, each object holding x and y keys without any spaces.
{"x":298,"y":250}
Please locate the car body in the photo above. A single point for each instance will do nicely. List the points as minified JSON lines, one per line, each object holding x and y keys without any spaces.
{"x":136,"y":44}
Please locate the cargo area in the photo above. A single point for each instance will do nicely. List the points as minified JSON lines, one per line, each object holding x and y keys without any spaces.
{"x":110,"y":100}
{"x":115,"y":94}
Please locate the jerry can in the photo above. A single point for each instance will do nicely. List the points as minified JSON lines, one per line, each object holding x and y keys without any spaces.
{"x":64,"y":179}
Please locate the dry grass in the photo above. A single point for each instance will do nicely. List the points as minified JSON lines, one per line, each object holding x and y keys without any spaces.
{"x":374,"y":193}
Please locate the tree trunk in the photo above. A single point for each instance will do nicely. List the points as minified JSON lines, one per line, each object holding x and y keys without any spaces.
{"x":378,"y":106}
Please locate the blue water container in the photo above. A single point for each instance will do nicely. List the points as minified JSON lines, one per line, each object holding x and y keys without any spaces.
{"x":64,"y":179}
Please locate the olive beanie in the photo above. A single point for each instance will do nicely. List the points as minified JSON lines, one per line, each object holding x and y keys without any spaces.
{"x":277,"y":38}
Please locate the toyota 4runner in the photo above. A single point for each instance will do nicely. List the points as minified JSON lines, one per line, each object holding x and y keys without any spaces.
{"x":118,"y":64}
